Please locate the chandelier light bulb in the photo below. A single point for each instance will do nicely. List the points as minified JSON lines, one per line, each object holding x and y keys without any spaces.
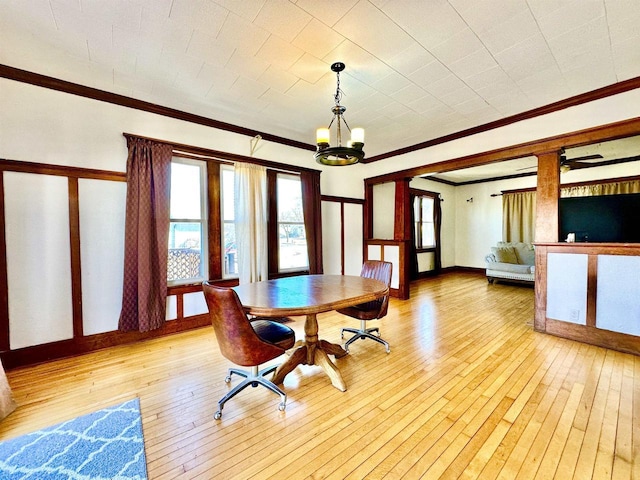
{"x":357,"y":135}
{"x":323,"y":136}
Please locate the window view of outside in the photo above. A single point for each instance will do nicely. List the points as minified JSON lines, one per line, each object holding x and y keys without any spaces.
{"x":424,"y":228}
{"x":187,"y":224}
{"x":230,"y":258}
{"x":293,"y":241}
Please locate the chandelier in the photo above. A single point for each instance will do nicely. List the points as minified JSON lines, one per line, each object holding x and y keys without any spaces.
{"x":339,"y":155}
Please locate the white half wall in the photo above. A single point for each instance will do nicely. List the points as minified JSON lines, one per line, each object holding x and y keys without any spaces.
{"x":353,"y":225}
{"x":38,"y":259}
{"x":331,"y":238}
{"x":102,"y":211}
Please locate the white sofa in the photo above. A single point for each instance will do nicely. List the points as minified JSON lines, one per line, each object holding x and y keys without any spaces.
{"x":511,"y":261}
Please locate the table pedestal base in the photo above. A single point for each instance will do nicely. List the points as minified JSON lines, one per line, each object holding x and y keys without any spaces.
{"x":313,"y":352}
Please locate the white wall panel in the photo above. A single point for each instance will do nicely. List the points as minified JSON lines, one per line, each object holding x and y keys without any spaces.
{"x":102,"y":212}
{"x":392,"y":254}
{"x":384,"y":205}
{"x":617,"y":306}
{"x":172,"y":308}
{"x":194,"y":304}
{"x":567,"y":287}
{"x":374,"y":252}
{"x":426,"y":261}
{"x":353,"y":224}
{"x":331,"y":241}
{"x":38,"y":259}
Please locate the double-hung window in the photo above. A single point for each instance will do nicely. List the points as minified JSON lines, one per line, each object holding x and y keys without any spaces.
{"x":292,"y":240}
{"x":187,"y":255}
{"x":229,"y":253}
{"x":423,"y":211}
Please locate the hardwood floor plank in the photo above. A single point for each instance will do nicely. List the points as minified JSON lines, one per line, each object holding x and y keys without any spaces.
{"x":468,"y":391}
{"x":589,"y":449}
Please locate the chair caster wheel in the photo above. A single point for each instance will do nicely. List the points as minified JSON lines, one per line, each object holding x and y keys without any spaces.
{"x":227,"y":379}
{"x":282,"y":406}
{"x":217,"y":415}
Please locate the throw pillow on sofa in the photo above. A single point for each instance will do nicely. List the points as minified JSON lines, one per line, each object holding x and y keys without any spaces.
{"x":505,"y":254}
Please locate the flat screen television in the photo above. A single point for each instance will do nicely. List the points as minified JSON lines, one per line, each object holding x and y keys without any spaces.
{"x":601,"y":218}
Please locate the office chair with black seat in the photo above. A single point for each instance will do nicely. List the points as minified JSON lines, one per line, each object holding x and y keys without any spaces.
{"x":246,"y":343}
{"x":374,"y":310}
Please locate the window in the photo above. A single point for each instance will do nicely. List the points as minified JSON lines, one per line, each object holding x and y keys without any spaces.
{"x":292,"y":240}
{"x":423,"y":212}
{"x":188,"y":222}
{"x":229,"y":253}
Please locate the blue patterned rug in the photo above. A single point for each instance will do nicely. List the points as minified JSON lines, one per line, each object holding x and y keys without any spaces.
{"x":104,"y":445}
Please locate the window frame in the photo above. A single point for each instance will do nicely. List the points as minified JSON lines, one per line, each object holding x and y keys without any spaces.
{"x":278,"y":223}
{"x":222,"y":169}
{"x":215,"y":221}
{"x":273,"y":227}
{"x":418,"y":222}
{"x":204,"y":221}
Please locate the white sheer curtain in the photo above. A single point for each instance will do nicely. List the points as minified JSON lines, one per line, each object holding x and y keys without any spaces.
{"x":251,"y":222}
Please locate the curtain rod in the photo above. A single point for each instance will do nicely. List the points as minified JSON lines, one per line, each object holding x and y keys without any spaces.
{"x":225,"y":156}
{"x":631,"y":178}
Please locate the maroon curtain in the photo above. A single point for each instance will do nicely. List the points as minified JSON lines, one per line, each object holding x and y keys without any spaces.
{"x":437,"y":225}
{"x":312,"y":210}
{"x":146,"y":235}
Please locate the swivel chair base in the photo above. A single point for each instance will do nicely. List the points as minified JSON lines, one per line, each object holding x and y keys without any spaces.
{"x":363,"y":333}
{"x":253,"y":378}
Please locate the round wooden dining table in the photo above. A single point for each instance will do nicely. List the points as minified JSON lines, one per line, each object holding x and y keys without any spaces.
{"x":309,"y":295}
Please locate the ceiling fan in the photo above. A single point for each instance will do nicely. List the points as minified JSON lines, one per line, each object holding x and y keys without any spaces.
{"x":579,"y":162}
{"x":567,"y":164}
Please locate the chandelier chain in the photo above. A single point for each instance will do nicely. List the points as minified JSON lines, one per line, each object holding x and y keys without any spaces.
{"x":338,"y":95}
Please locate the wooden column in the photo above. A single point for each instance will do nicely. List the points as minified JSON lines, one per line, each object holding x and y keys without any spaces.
{"x":402,"y":233}
{"x":547,"y":227}
{"x":547,"y":196}
{"x":367,"y":220}
{"x":402,"y":223}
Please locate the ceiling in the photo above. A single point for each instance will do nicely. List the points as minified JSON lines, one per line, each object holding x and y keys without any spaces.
{"x":415,"y":70}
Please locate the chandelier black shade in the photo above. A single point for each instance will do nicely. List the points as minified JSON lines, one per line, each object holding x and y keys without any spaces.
{"x":340,"y":154}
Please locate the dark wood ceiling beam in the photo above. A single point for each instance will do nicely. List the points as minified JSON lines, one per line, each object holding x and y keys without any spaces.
{"x":611,"y":131}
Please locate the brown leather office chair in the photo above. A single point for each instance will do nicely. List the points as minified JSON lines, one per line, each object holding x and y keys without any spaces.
{"x":375,"y":310}
{"x":246,"y":343}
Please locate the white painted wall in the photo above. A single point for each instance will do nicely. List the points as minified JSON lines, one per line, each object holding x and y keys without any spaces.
{"x":353,"y":228}
{"x":384,"y":201}
{"x":38,"y":258}
{"x":102,"y":210}
{"x":478,"y":224}
{"x":45,"y":126}
{"x":331,"y":238}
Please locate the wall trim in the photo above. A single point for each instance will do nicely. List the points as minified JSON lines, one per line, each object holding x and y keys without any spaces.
{"x":80,"y":345}
{"x":610,"y":131}
{"x":24,"y":76}
{"x":39,"y":80}
{"x":202,"y":153}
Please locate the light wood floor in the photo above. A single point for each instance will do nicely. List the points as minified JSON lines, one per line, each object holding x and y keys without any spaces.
{"x":468,"y":391}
